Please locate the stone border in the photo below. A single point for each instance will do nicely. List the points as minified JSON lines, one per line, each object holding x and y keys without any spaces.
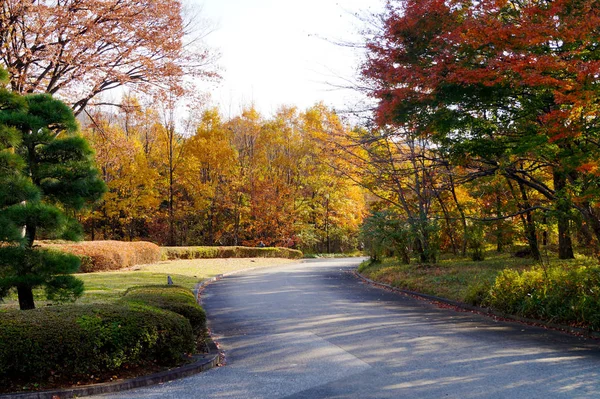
{"x":483,"y":311}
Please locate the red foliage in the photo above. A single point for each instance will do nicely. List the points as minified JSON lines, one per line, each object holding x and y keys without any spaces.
{"x":426,"y":45}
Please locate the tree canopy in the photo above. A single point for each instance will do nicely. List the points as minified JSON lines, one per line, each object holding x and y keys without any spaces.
{"x":77,"y":49}
{"x":498,"y":87}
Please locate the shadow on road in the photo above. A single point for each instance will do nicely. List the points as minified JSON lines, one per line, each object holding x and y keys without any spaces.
{"x":411,"y":347}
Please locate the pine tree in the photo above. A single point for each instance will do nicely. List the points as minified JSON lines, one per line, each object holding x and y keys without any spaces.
{"x":46,"y":170}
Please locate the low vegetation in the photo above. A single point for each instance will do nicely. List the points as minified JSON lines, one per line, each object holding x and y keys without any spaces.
{"x":127,"y":323}
{"x":173,"y":298}
{"x":563,"y":294}
{"x":109,"y":286}
{"x":229,"y":252}
{"x":559,"y":291}
{"x":99,"y":256}
{"x":74,"y":343}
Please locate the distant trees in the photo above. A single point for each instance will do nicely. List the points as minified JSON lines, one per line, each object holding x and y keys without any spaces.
{"x":233,"y":182}
{"x":46,"y":173}
{"x":491,"y":91}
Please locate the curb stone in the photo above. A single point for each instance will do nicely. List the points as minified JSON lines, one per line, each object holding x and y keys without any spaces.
{"x":484,"y":311}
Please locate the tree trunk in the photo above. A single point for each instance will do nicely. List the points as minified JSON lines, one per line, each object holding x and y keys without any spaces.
{"x":25,"y":297}
{"x":565,"y":244}
{"x":499,"y":235}
{"x":93,"y":228}
{"x":530,"y":231}
{"x":327,"y":224}
{"x":448,"y":222}
{"x":593,"y":222}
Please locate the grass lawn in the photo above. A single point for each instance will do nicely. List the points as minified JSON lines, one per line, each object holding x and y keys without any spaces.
{"x":453,"y":275}
{"x":109,"y":286}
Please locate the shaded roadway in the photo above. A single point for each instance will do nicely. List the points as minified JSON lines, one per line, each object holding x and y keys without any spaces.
{"x":312,"y":330}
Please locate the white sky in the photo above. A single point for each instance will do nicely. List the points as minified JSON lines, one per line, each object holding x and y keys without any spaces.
{"x":273,"y":51}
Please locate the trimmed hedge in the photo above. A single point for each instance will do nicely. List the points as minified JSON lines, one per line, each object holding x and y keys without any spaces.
{"x":109,"y":255}
{"x":559,"y":295}
{"x":173,"y":298}
{"x":77,"y":341}
{"x":169,"y":253}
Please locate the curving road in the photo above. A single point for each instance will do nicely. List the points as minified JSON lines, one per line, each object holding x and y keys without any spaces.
{"x":312,"y":330}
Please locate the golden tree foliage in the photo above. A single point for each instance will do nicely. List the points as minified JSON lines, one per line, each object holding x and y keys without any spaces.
{"x":242,"y":181}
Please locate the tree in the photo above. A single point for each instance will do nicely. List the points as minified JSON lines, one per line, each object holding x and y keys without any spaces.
{"x":123,"y":144}
{"x":508,"y":87}
{"x":211,"y":164}
{"x":46,"y":170}
{"x":77,"y":49}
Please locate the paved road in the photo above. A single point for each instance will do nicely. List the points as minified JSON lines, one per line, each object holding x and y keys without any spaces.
{"x":312,"y":330}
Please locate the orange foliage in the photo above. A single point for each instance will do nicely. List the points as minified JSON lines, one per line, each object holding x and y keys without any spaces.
{"x":81,"y":48}
{"x":110,"y":255}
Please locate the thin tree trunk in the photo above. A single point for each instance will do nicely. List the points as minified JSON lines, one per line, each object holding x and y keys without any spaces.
{"x":463,"y":219}
{"x":499,"y":238}
{"x":530,"y":230}
{"x":565,"y":244}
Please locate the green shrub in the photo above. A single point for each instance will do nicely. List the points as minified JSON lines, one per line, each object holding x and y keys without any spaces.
{"x":169,"y":253}
{"x":173,"y":298}
{"x":475,"y":239}
{"x":75,"y":341}
{"x":478,"y":293}
{"x":560,"y":295}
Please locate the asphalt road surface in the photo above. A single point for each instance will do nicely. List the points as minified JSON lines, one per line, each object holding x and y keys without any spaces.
{"x":312,"y":330}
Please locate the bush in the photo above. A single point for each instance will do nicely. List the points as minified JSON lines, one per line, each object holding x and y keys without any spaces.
{"x":478,"y":293}
{"x":559,"y":295}
{"x":109,"y":255}
{"x":173,"y":298}
{"x":76,"y":341}
{"x":169,"y":253}
{"x":475,"y":239}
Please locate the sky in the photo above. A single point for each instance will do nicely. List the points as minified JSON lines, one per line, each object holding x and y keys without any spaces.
{"x":280,"y":52}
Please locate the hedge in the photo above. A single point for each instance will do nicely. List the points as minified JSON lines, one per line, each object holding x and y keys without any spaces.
{"x":109,"y":255}
{"x":173,"y":298}
{"x":76,"y":341}
{"x":169,"y":253}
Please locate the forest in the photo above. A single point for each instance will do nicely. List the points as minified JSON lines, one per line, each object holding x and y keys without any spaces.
{"x":241,"y":181}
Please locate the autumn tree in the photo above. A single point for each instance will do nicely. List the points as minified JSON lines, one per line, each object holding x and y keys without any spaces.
{"x":506,"y":87}
{"x":227,"y":182}
{"x":78,"y":49}
{"x":209,"y":173}
{"x":125,"y":143}
{"x":47,"y":171}
{"x":331,"y":205}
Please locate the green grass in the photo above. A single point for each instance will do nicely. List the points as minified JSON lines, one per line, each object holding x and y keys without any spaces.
{"x":106,"y":287}
{"x":452,"y":276}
